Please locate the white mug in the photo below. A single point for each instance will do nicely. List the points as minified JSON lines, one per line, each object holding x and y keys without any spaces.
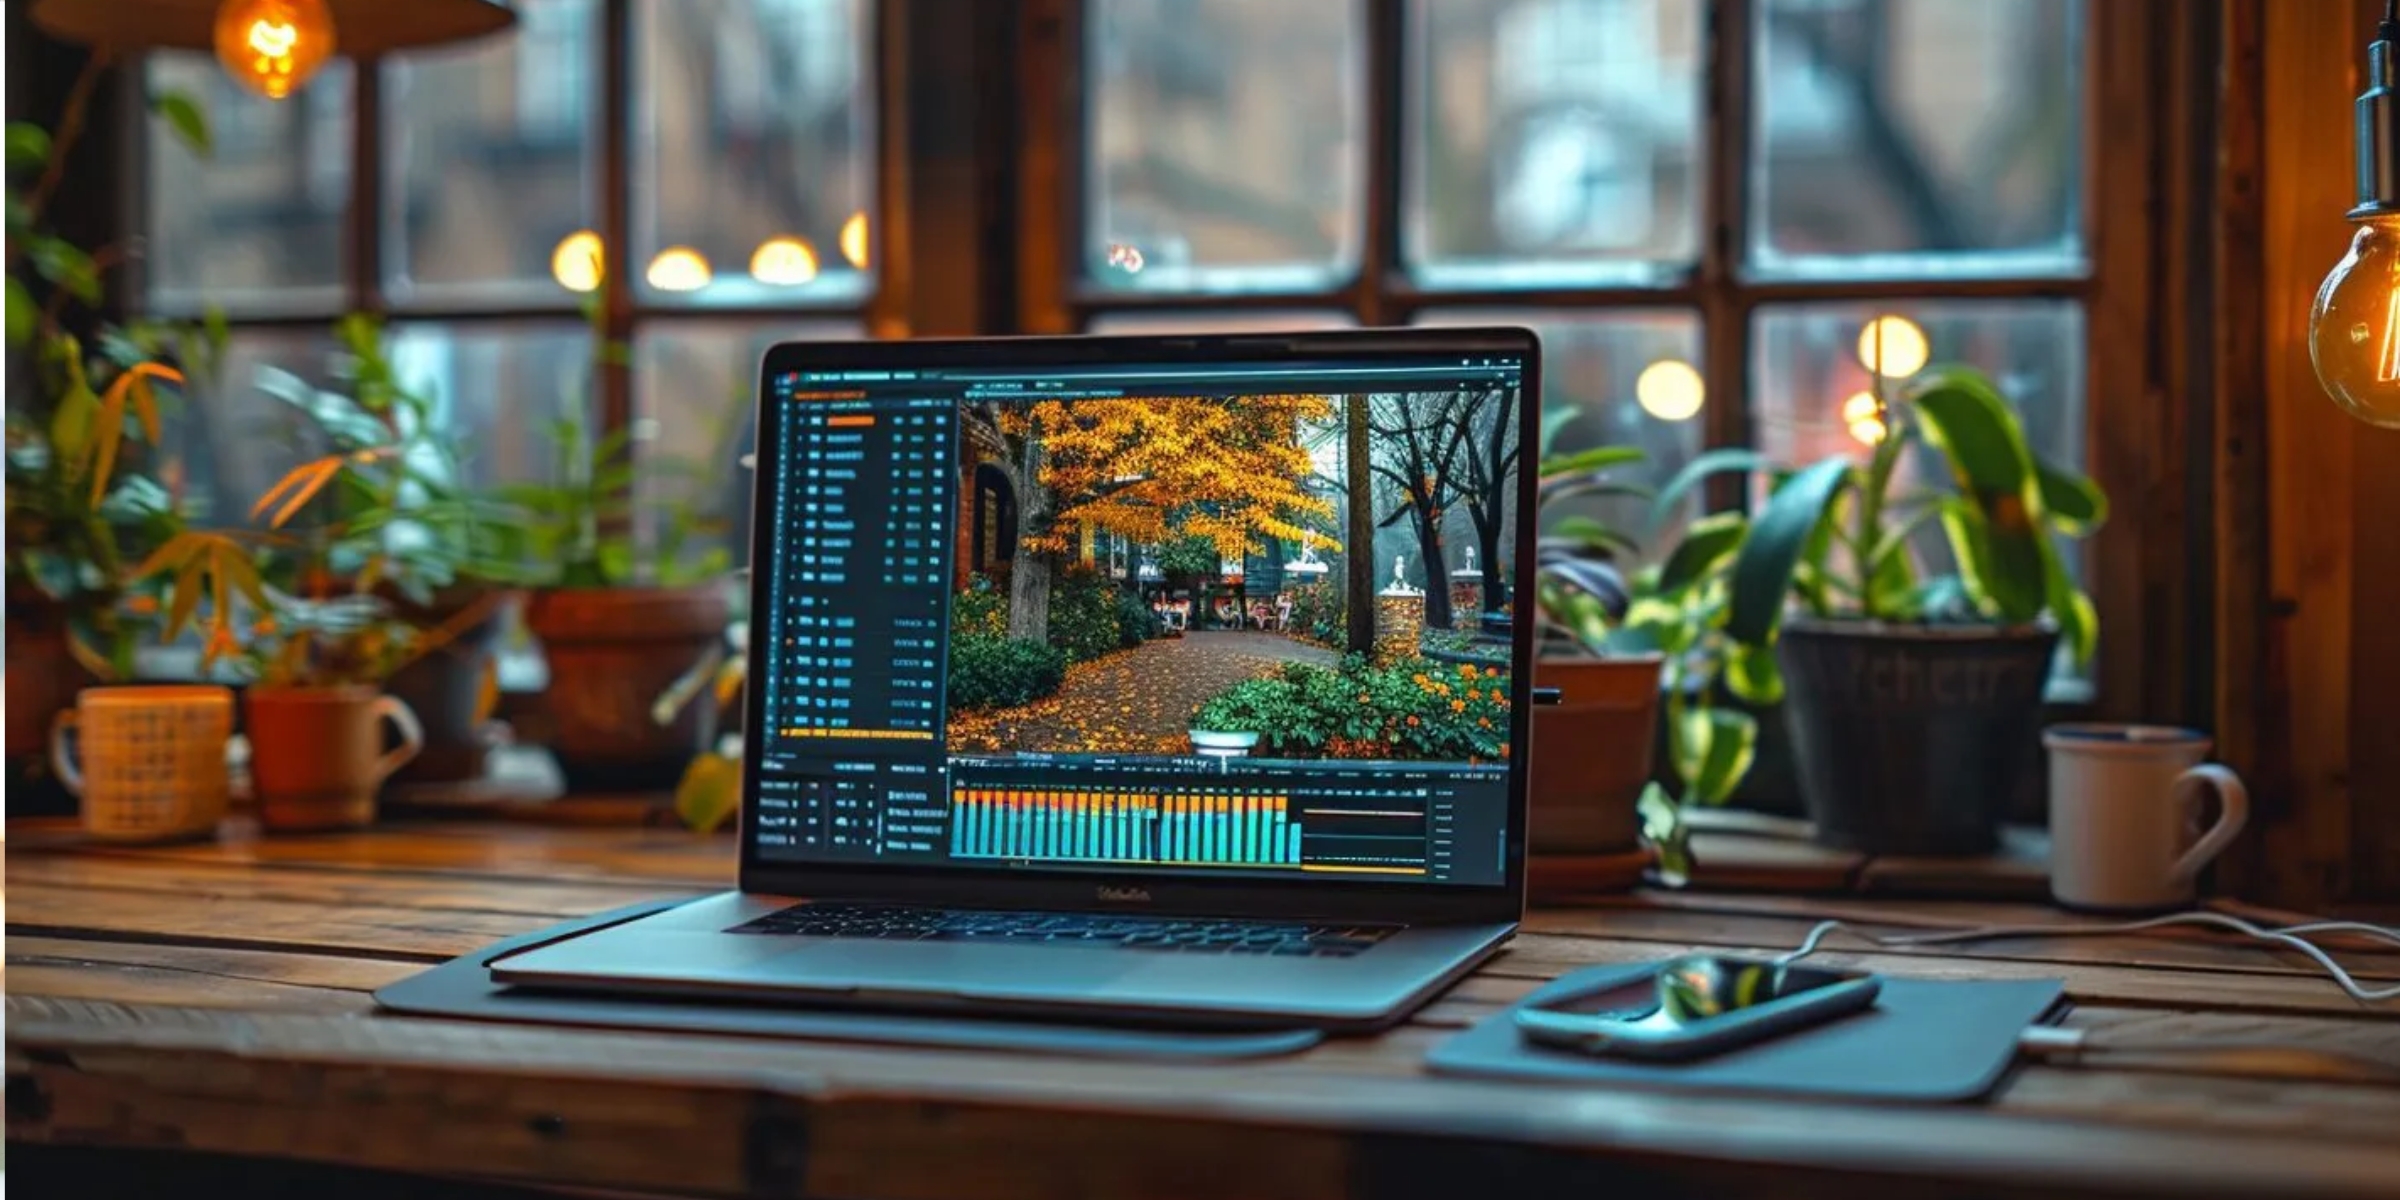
{"x":2125,"y":809}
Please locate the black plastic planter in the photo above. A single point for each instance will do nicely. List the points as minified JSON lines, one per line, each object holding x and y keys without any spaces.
{"x":1912,"y":739}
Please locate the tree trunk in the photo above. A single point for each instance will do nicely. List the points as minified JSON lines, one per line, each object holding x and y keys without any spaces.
{"x":1437,"y":572}
{"x":1358,"y":555}
{"x":1029,"y":575}
{"x":1487,"y":546}
{"x":1029,"y":597}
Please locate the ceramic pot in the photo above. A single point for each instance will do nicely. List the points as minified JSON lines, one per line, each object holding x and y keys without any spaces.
{"x":1591,"y":753}
{"x":1913,"y":739}
{"x":612,"y":653}
{"x":446,"y":687}
{"x":317,"y":755}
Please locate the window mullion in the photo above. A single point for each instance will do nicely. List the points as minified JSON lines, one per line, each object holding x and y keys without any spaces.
{"x":1379,"y":237}
{"x":615,"y":383}
{"x":1724,"y":207}
{"x":362,"y":216}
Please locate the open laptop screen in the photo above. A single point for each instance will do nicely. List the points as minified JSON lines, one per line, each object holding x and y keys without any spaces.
{"x":1224,"y":618}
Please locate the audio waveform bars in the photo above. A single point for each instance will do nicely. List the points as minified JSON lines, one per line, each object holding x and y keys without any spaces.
{"x":1173,"y":828}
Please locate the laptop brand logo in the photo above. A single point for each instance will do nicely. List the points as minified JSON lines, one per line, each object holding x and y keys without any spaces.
{"x":1123,"y":895}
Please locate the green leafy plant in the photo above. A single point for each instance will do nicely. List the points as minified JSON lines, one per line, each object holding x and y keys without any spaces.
{"x":1836,"y":538}
{"x":1580,"y":591}
{"x":988,"y":671}
{"x":1135,"y":622}
{"x":85,"y":398}
{"x":1083,"y":614}
{"x":1413,"y":708}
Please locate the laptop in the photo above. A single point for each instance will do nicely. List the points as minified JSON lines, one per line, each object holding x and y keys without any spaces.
{"x":1106,"y":678}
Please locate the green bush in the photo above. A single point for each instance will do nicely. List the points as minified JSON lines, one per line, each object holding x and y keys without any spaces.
{"x":1083,"y":614}
{"x":1413,"y":709}
{"x":981,"y":608}
{"x":1190,"y":554}
{"x":1320,"y":615}
{"x":1135,"y":622}
{"x":991,"y":671}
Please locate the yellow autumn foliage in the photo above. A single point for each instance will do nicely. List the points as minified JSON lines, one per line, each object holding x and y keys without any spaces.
{"x":1231,"y":470}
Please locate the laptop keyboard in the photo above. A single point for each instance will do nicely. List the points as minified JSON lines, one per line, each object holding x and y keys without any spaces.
{"x":1180,"y":936}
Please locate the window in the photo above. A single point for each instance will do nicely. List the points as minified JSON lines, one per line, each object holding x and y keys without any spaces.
{"x":745,"y":136}
{"x":1698,"y":206}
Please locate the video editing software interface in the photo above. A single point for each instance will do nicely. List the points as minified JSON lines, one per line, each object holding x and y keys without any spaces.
{"x":1097,"y":617}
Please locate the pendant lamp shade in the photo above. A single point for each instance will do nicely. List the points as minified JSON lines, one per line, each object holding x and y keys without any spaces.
{"x":366,"y":28}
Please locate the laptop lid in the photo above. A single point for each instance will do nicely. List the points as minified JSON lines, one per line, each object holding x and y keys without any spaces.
{"x":1218,"y":624}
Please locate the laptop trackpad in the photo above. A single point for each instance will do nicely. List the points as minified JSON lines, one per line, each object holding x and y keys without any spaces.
{"x":948,"y":968}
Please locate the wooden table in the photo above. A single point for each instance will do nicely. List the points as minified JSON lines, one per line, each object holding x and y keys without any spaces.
{"x":213,"y":1000}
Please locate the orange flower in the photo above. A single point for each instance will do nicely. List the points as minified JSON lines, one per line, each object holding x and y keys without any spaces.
{"x":1473,"y":694}
{"x":1362,"y":697}
{"x":1467,"y":669}
{"x":1412,"y":720}
{"x":1421,"y":677}
{"x":1486,"y":722}
{"x":142,"y":605}
{"x":1504,"y":750}
{"x":1457,"y":706}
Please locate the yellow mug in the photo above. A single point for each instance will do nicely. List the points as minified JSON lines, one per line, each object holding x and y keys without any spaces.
{"x":148,"y":762}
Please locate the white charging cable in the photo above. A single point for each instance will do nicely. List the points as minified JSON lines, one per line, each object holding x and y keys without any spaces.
{"x":2288,"y":935}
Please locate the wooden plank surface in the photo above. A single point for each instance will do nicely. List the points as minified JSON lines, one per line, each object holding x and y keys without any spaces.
{"x":216,"y":997}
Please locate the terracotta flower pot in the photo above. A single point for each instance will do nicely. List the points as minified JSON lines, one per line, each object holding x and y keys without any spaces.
{"x":1591,"y":753}
{"x":612,"y":653}
{"x":317,"y":756}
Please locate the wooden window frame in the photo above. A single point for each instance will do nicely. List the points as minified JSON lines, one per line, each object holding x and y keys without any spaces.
{"x":2142,"y":64}
{"x":624,"y":312}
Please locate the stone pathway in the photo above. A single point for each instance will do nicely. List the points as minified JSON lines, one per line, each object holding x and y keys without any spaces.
{"x":1136,"y":701}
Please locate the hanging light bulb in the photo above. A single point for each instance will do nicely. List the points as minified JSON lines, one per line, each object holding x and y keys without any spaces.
{"x":1670,"y":390}
{"x":273,"y":47}
{"x":578,"y":261}
{"x":2354,"y":326}
{"x":854,"y":240}
{"x":783,"y":262}
{"x":678,"y":269}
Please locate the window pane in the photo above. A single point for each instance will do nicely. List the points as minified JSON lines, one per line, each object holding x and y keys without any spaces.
{"x":753,"y":133}
{"x":494,"y":389}
{"x":1918,"y":136}
{"x":257,"y":225}
{"x":1219,"y":321}
{"x":497,"y":387}
{"x":1631,"y":379}
{"x":490,"y":158}
{"x":1553,"y":140}
{"x":235,"y":439}
{"x":695,"y":387}
{"x":1225,"y":139}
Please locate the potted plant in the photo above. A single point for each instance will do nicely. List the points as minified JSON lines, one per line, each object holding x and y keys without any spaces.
{"x":619,"y":624}
{"x":316,"y":643}
{"x":1592,"y":748}
{"x":1232,"y":722}
{"x":82,"y":414}
{"x":407,"y":529}
{"x":1914,"y":697}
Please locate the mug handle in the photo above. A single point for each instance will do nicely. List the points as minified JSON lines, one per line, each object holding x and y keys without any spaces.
{"x":2232,"y":797}
{"x":412,"y":735}
{"x":60,"y":762}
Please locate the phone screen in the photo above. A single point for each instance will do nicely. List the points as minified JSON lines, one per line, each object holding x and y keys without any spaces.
{"x":1690,"y":992}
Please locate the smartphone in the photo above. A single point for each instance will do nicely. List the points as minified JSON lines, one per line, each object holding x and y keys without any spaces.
{"x":1697,"y":1006}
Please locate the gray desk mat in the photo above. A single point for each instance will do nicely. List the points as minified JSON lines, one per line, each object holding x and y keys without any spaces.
{"x":1925,"y":1041}
{"x":463,"y":988}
